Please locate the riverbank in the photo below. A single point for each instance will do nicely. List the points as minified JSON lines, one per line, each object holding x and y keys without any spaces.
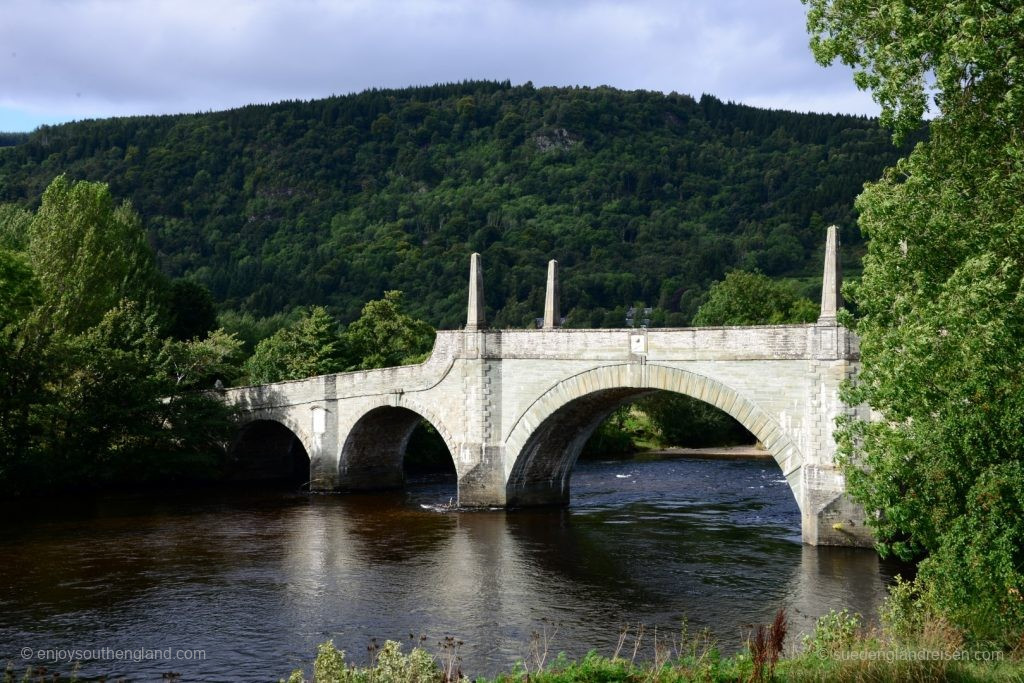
{"x":710,"y":453}
{"x":827,"y":655}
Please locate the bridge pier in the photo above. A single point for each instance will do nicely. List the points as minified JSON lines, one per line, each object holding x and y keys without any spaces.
{"x":828,"y":516}
{"x":482,"y":483}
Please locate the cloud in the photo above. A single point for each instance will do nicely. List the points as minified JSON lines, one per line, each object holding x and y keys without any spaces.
{"x":91,"y":58}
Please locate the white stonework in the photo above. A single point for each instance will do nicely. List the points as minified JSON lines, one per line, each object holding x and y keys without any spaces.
{"x":516,"y":406}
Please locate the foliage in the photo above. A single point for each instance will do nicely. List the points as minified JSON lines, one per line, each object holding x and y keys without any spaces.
{"x":124,"y":408}
{"x":752,"y":298}
{"x":639,"y":195}
{"x":199,"y":363}
{"x":91,"y":392}
{"x":967,"y":53}
{"x":312,"y":345}
{"x":191,"y":313}
{"x":619,"y":434}
{"x":681,"y":420}
{"x":976,"y":575}
{"x":847,"y":654}
{"x":940,"y":303}
{"x":251,"y":330}
{"x":391,"y":665}
{"x":941,"y":360}
{"x":18,"y":287}
{"x":87,"y":254}
{"x":107,"y":393}
{"x":315,"y":344}
{"x":660,"y":420}
{"x":904,"y":612}
{"x":834,"y":632}
{"x":26,"y":373}
{"x":93,"y":402}
{"x":15,"y":223}
{"x":384,"y":336}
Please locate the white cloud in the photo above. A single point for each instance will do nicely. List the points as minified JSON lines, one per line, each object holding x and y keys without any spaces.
{"x":94,"y":58}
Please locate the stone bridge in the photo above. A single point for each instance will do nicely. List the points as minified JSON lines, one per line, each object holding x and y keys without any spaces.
{"x":515,"y":407}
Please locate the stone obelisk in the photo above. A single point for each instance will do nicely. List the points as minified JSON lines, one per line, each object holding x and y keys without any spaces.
{"x":475,"y":319}
{"x":832,"y":280}
{"x":552,"y":317}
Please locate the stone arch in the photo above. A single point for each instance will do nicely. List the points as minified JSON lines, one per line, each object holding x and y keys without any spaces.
{"x":373,"y":447}
{"x":546,"y":440}
{"x":268,"y":449}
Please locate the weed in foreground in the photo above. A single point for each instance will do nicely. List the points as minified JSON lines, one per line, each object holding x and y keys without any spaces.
{"x":766,"y":648}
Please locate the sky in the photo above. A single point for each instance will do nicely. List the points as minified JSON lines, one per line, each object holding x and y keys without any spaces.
{"x":63,"y":60}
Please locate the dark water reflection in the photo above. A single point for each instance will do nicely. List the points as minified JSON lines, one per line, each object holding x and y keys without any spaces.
{"x":258,"y":579}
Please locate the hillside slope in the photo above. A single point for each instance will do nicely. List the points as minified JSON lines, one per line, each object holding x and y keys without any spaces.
{"x":641,"y":196}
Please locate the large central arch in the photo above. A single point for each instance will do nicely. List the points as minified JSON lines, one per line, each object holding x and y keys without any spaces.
{"x":546,"y":440}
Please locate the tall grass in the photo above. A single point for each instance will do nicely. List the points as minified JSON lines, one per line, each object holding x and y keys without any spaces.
{"x":840,"y":649}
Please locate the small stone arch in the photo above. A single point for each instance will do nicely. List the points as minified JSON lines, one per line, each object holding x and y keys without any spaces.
{"x":267,"y":449}
{"x":373,"y":447}
{"x":546,"y":440}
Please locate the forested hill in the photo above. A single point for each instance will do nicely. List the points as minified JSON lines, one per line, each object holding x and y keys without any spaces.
{"x":641,"y":196}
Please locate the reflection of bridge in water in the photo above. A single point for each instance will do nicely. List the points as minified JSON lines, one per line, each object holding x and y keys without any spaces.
{"x":515,"y":407}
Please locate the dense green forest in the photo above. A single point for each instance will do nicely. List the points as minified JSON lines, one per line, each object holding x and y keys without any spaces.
{"x":641,"y":196}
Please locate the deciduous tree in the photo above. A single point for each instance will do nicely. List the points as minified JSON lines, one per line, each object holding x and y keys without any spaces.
{"x":384,"y":336}
{"x":88,"y":254}
{"x":312,"y":345}
{"x":941,"y":302}
{"x":752,"y":298}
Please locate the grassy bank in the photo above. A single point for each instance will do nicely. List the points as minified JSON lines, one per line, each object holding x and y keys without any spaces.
{"x":839,"y":649}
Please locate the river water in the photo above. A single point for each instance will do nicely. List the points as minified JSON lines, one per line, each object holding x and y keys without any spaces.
{"x":255,"y":580}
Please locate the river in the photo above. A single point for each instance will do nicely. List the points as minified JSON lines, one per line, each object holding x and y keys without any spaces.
{"x":246,"y":584}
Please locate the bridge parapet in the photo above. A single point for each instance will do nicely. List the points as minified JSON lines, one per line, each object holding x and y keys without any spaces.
{"x":447,"y":347}
{"x":763,"y":342}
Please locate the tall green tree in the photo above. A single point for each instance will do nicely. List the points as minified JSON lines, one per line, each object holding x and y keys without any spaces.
{"x":752,"y":298}
{"x":964,"y":52}
{"x":384,"y":336}
{"x":107,"y":407}
{"x":941,"y":302}
{"x":312,"y":345}
{"x":126,"y":409}
{"x":88,"y":254}
{"x":200,"y":363}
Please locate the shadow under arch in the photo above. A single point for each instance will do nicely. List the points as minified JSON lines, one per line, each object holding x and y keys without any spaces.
{"x":373,"y":452}
{"x":268,"y":450}
{"x":546,"y":440}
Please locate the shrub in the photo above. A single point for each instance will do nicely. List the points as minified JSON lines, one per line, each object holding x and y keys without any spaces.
{"x":390,"y":666}
{"x":833,"y":632}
